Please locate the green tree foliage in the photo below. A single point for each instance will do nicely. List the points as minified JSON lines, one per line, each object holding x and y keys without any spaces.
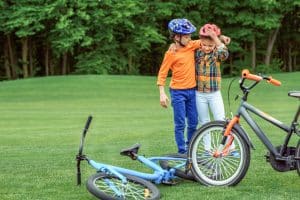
{"x":22,"y":20}
{"x":47,"y":37}
{"x":122,"y":31}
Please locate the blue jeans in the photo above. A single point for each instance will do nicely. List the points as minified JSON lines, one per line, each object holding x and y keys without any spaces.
{"x":184,"y":107}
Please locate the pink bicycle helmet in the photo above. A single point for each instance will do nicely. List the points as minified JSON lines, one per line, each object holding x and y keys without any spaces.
{"x":215,"y":28}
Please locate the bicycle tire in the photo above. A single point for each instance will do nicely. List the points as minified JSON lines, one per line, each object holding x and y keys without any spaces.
{"x":179,"y":172}
{"x":136,"y":188}
{"x":226,"y":170}
{"x":297,"y":154}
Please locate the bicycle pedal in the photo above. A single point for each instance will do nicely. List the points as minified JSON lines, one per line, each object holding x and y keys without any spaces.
{"x":170,"y":183}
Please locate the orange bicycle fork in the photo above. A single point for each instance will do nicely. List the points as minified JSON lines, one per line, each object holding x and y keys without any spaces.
{"x":223,"y":149}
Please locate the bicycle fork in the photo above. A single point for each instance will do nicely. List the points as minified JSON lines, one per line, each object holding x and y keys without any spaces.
{"x":223,"y":149}
{"x":119,"y":191}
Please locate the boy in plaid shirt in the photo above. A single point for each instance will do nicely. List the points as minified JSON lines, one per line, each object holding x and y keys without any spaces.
{"x":208,"y":77}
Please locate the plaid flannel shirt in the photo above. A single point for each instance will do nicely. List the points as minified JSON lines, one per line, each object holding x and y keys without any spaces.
{"x":208,"y":73}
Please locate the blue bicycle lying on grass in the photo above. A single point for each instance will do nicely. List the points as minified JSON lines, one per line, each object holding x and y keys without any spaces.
{"x":112,"y":182}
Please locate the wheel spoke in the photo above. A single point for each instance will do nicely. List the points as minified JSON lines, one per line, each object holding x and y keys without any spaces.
{"x":223,"y":169}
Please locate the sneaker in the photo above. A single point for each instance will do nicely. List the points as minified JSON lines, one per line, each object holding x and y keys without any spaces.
{"x":235,"y":154}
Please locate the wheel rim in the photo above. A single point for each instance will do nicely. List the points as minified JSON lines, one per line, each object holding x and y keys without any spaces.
{"x":130,"y":190}
{"x":219,"y":170}
{"x":297,"y":154}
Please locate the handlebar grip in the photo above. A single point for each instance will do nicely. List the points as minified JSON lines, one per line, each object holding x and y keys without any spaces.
{"x":247,"y":75}
{"x":87,"y":125}
{"x":88,"y":122}
{"x":274,"y":81}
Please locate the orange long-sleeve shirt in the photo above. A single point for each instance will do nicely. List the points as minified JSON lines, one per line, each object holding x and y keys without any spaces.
{"x":182,"y":65}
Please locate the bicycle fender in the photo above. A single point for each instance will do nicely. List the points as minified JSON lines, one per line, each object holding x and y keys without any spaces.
{"x":244,"y":135}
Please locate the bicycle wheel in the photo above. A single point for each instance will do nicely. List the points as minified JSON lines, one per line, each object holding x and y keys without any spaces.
{"x":222,"y":170}
{"x":179,"y":171}
{"x":105,"y":187}
{"x":297,"y":154}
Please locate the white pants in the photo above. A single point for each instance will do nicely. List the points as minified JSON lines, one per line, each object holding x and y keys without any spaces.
{"x":206,"y":103}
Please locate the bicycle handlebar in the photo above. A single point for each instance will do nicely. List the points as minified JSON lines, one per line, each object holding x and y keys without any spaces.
{"x":87,"y":125}
{"x":274,"y":81}
{"x":79,"y":156}
{"x":247,"y":75}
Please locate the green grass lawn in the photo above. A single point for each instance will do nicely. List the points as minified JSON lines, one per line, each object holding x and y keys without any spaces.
{"x":42,"y":119}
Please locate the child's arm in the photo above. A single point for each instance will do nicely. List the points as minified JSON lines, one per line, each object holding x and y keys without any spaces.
{"x":214,"y":37}
{"x":172,"y":48}
{"x":222,"y":51}
{"x":196,"y":44}
{"x":163,"y":98}
{"x":161,"y":80}
{"x":226,"y":40}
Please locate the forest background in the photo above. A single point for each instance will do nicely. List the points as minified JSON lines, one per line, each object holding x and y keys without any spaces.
{"x":60,"y":37}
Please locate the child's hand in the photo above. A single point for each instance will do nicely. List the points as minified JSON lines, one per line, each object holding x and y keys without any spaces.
{"x":164,"y":100}
{"x":172,"y":48}
{"x":211,"y":33}
{"x":226,"y":40}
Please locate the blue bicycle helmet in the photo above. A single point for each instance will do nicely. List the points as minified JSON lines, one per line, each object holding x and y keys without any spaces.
{"x":181,"y":26}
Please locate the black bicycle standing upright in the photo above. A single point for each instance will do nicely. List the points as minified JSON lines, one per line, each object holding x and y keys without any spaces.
{"x":220,"y":166}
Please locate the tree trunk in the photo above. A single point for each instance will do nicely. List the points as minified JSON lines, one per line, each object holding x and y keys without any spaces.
{"x":290,"y":67}
{"x":295,"y":62}
{"x":64,"y":64}
{"x":285,"y":69}
{"x":31,"y":49}
{"x":12,"y":58}
{"x":253,"y":48}
{"x":68,"y":65}
{"x":47,"y":60}
{"x":231,"y":65}
{"x":6,"y":62}
{"x":271,"y":41}
{"x":243,"y":56}
{"x":25,"y":57}
{"x":51,"y":65}
{"x":130,"y":65}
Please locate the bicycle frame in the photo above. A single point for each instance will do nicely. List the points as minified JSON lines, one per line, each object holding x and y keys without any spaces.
{"x":158,"y":176}
{"x":244,"y":110}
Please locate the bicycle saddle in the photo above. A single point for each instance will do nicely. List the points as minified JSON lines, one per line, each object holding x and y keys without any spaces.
{"x":131,"y":151}
{"x":294,"y":94}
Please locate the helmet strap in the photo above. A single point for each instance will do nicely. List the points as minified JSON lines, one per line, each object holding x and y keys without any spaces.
{"x":179,"y":42}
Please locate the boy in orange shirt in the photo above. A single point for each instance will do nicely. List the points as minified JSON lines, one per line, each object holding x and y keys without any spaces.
{"x":183,"y":82}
